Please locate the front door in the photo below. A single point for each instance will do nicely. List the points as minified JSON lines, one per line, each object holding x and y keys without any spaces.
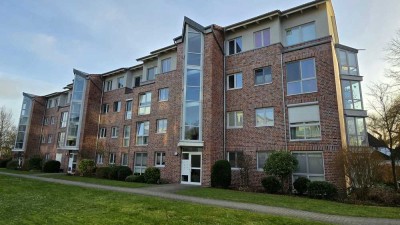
{"x":191,"y":168}
{"x":72,"y":163}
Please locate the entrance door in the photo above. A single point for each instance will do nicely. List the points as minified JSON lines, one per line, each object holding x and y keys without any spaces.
{"x":72,"y":163}
{"x":191,"y":168}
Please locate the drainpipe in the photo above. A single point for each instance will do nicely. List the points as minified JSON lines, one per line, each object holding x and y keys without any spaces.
{"x":99,"y":119}
{"x":283,"y":102}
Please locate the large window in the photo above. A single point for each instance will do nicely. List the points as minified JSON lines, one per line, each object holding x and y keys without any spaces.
{"x":235,"y":119}
{"x":299,"y":34}
{"x":194,"y":48}
{"x":61,"y":139}
{"x":235,"y":159}
{"x":128,"y":110}
{"x":142,"y":133}
{"x":348,"y":62}
{"x":262,"y":76}
{"x":301,"y":77}
{"x":114,"y":132}
{"x":74,"y":123}
{"x":144,"y":103}
{"x":311,"y":165}
{"x":99,"y":158}
{"x":140,"y":163}
{"x":117,"y":106}
{"x":127,"y":136}
{"x":166,"y":65}
{"x":124,"y":159}
{"x":235,"y":81}
{"x":261,"y":159}
{"x":264,"y":117}
{"x":121,"y":82}
{"x":151,"y":73}
{"x":304,"y":122}
{"x":163,"y":94}
{"x":23,"y":122}
{"x":103,"y":132}
{"x":64,"y":119}
{"x":356,"y":134}
{"x":105,"y":108}
{"x":352,"y":94}
{"x":261,"y":38}
{"x":162,"y":126}
{"x":235,"y":46}
{"x":111,"y":159}
{"x":159,"y":159}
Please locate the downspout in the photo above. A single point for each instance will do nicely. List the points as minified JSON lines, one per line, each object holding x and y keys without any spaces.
{"x":41,"y":127}
{"x":283,"y":102}
{"x":224,"y":73}
{"x":98,"y":121}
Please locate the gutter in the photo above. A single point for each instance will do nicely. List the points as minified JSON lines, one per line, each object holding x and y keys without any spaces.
{"x":283,"y":102}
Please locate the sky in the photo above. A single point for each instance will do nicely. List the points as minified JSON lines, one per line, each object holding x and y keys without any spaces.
{"x":41,"y":41}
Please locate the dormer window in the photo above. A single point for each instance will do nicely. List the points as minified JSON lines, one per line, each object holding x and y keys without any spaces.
{"x":299,"y":34}
{"x":151,"y":73}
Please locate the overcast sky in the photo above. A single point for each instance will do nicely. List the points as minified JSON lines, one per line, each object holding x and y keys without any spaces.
{"x":42,"y":41}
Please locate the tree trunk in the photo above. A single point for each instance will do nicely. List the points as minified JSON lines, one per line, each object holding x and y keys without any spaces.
{"x":393,"y":161}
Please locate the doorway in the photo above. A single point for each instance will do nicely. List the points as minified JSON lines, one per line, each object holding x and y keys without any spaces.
{"x":191,"y":168}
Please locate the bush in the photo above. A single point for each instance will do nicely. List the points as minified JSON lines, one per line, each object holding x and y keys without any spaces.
{"x":152,"y":175}
{"x":300,"y":184}
{"x":124,"y":172}
{"x":51,"y":166}
{"x":135,"y":178}
{"x":221,"y":174}
{"x":113,"y":173}
{"x":280,"y":164}
{"x":12,"y":165}
{"x":103,"y":172}
{"x":87,"y":167}
{"x":384,"y":195}
{"x":321,"y":189}
{"x":3,"y":162}
{"x":35,"y":163}
{"x":271,"y":184}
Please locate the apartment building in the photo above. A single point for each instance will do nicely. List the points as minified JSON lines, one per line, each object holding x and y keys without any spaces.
{"x":280,"y":81}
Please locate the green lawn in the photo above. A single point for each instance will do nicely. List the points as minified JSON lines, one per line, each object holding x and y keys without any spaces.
{"x":20,"y":171}
{"x":293,"y":202}
{"x":26,"y":201}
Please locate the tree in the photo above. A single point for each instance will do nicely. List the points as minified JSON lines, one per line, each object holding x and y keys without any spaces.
{"x":8,"y":132}
{"x":281,"y":164}
{"x":393,"y":57}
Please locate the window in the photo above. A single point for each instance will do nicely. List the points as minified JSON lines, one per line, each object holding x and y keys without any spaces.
{"x":49,"y":103}
{"x":128,"y":110}
{"x":301,"y":77}
{"x":127,"y":136}
{"x":192,"y":106}
{"x":43,"y":139}
{"x":61,"y":139}
{"x":49,"y":138}
{"x":235,"y":119}
{"x":235,"y":46}
{"x":162,"y":126}
{"x":299,"y":34}
{"x":261,"y":159}
{"x":348,"y":62}
{"x":352,"y":94}
{"x":151,"y":73}
{"x":262,"y":76}
{"x":64,"y":119}
{"x":46,"y":121}
{"x":194,"y":44}
{"x":124,"y":159}
{"x":46,"y":156}
{"x":117,"y":106}
{"x":111,"y":159}
{"x":166,"y":65}
{"x":103,"y":132}
{"x":144,"y":103}
{"x":235,"y":81}
{"x":261,"y":38}
{"x":142,"y":133}
{"x":105,"y":108}
{"x":52,"y":120}
{"x":311,"y":165}
{"x":121,"y":82}
{"x":114,"y":132}
{"x":109,"y":85}
{"x":140,"y":163}
{"x":163,"y":94}
{"x":99,"y":158}
{"x":235,"y":158}
{"x":356,"y":133}
{"x":159,"y":159}
{"x":264,"y":117}
{"x":304,"y":122}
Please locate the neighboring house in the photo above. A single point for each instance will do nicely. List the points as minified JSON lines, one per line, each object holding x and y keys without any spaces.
{"x":278,"y":81}
{"x":382,"y":149}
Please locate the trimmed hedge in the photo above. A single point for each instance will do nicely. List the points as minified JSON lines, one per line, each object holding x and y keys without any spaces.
{"x":152,"y":175}
{"x":103,"y":172}
{"x":301,"y":185}
{"x":87,"y":167}
{"x":321,"y":189}
{"x":51,"y":166}
{"x":114,"y":172}
{"x":3,"y":162}
{"x":271,"y":184}
{"x":124,"y":172}
{"x":35,"y":163}
{"x":135,"y":178}
{"x":221,"y":174}
{"x":12,"y":165}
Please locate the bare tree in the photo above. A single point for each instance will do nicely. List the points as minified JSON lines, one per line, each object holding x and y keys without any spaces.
{"x":393,"y":57}
{"x":8,"y":132}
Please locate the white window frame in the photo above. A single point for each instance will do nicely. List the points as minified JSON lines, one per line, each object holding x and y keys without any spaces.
{"x":160,"y":95}
{"x":357,"y":135}
{"x":52,"y":120}
{"x":64,"y":119}
{"x":235,"y":78}
{"x":111,"y":158}
{"x":61,"y":139}
{"x":163,"y":122}
{"x":103,"y":132}
{"x":46,"y":121}
{"x":301,"y":78}
{"x":305,"y":124}
{"x":237,"y":153}
{"x":114,"y":132}
{"x":258,"y":158}
{"x":154,"y":68}
{"x":118,"y":106}
{"x":301,"y":37}
{"x":43,"y":139}
{"x":347,"y":65}
{"x":236,"y":119}
{"x":128,"y":112}
{"x":105,"y":108}
{"x":273,"y":117}
{"x":121,"y":82}
{"x":166,"y":65}
{"x":264,"y":76}
{"x":235,"y":50}
{"x":49,"y":139}
{"x":143,"y":106}
{"x":109,"y":84}
{"x":127,"y":136}
{"x":141,"y":139}
{"x":99,"y":158}
{"x":124,"y":157}
{"x":308,"y":175}
{"x":353,"y":101}
{"x":162,"y":158}
{"x":262,"y":38}
{"x":140,"y":167}
{"x":46,"y":156}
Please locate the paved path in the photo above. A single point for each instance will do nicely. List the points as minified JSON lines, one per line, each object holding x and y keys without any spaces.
{"x":163,"y":193}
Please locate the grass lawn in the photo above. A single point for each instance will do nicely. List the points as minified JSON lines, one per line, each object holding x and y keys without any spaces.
{"x":26,"y":201}
{"x":293,"y":202}
{"x":20,"y":171}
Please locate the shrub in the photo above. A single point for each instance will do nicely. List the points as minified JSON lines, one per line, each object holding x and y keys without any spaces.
{"x":103,"y":172}
{"x":51,"y":166}
{"x":135,"y":178}
{"x":3,"y":162}
{"x":300,"y":184}
{"x":113,"y":173}
{"x":12,"y":165}
{"x":271,"y":184}
{"x":152,"y":175}
{"x":87,"y":167}
{"x":280,"y":164}
{"x":35,"y":163}
{"x":123,"y":172}
{"x":321,"y":189}
{"x":383,"y":195}
{"x":221,"y":174}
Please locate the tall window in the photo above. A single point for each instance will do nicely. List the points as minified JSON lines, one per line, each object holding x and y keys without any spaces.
{"x":52,"y":120}
{"x":64,"y":119}
{"x":124,"y":159}
{"x":166,"y":65}
{"x":348,"y":62}
{"x":299,"y":34}
{"x":264,"y":117}
{"x":99,"y":158}
{"x":261,"y":38}
{"x":159,"y":159}
{"x":128,"y":110}
{"x":235,"y":81}
{"x":49,"y":138}
{"x":117,"y":106}
{"x":162,"y":126}
{"x":261,"y":158}
{"x":235,"y":46}
{"x":103,"y":132}
{"x":151,"y":73}
{"x":235,"y":159}
{"x":311,"y":165}
{"x":61,"y":139}
{"x":114,"y":132}
{"x":304,"y":122}
{"x":194,"y":48}
{"x":142,"y":133}
{"x":127,"y":136}
{"x":109,"y":85}
{"x":111,"y":159}
{"x":356,"y":133}
{"x":23,"y":122}
{"x":140,"y":163}
{"x":163,"y":94}
{"x":235,"y":119}
{"x":262,"y":76}
{"x":352,"y":94}
{"x":301,"y":77}
{"x":74,"y":123}
{"x":144,"y":103}
{"x":104,"y":108}
{"x":121,"y":82}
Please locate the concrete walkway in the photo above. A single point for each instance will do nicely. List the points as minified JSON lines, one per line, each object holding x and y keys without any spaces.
{"x":164,"y":193}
